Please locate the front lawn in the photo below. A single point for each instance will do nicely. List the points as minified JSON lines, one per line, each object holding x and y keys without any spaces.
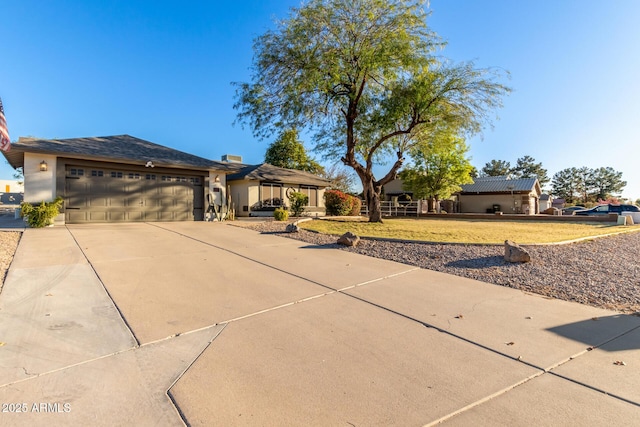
{"x":444,"y":230}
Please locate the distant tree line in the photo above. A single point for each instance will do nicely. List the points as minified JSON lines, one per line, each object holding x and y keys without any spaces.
{"x":576,"y":185}
{"x":526,"y":167}
{"x":585,"y":185}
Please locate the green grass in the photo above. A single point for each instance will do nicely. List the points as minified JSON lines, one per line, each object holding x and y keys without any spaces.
{"x":467,"y":231}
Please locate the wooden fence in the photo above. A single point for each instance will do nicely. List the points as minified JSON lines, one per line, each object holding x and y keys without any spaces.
{"x":398,"y":209}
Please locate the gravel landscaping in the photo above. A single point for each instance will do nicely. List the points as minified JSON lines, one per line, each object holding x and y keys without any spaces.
{"x":8,"y":245}
{"x":602,"y":272}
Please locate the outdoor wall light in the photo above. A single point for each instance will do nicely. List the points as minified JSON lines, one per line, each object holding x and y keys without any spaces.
{"x":43,"y":166}
{"x":217,"y":178}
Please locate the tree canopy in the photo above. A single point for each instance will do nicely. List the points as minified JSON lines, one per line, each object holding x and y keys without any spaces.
{"x":496,"y":168}
{"x":288,"y":152}
{"x":526,"y":167}
{"x":363,"y":76}
{"x":440,"y":167}
{"x":586,"y":185}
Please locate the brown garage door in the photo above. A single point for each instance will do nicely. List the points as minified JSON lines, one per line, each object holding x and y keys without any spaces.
{"x":110,"y":195}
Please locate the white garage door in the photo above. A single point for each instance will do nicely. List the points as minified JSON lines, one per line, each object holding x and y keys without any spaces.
{"x":94,"y":194}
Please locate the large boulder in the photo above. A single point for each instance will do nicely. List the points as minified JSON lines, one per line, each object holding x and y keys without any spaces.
{"x":292,"y":228}
{"x":515,"y":253}
{"x":349,"y":239}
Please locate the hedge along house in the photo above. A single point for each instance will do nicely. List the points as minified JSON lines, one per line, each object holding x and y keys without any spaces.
{"x":259,"y":190}
{"x":500,"y":193}
{"x":117,"y":178}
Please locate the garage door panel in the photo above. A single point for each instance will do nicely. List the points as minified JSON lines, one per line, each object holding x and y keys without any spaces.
{"x":116,"y":216}
{"x":75,"y":216}
{"x":104,"y":195}
{"x":97,"y":216}
{"x":101,"y":200}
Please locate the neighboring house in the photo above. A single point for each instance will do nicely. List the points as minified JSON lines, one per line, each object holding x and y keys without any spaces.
{"x":393,"y":189}
{"x":546,"y":202}
{"x":11,"y":192}
{"x":500,"y":193}
{"x":258,"y":190}
{"x":558,"y":203}
{"x":118,"y":178}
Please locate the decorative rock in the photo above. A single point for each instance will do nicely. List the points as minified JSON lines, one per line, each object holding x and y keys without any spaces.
{"x":349,"y":239}
{"x":515,"y":253}
{"x":292,"y":228}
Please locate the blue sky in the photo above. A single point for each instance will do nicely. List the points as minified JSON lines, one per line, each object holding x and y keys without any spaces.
{"x":162,"y":71}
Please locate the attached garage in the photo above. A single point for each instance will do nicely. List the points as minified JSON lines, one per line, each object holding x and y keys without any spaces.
{"x":117,"y":178}
{"x":99,"y":194}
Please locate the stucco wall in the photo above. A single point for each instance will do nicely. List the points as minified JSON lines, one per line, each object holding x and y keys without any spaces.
{"x":479,"y":203}
{"x":241,"y":192}
{"x":39,"y":185}
{"x":247,"y":193}
{"x":394,"y":186}
{"x":217,"y":187}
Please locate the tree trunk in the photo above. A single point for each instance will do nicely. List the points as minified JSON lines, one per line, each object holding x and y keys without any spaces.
{"x":371,"y":192}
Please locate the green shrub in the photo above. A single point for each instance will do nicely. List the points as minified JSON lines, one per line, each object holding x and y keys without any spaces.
{"x":298,"y":202}
{"x":281,"y":214}
{"x":40,"y":215}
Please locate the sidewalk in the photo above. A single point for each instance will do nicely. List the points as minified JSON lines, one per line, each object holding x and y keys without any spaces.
{"x":101,"y":321}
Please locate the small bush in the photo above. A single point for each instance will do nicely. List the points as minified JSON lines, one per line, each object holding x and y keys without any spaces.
{"x":281,"y":214}
{"x":356,"y":206}
{"x":298,"y":202}
{"x":41,"y":215}
{"x":337,"y":203}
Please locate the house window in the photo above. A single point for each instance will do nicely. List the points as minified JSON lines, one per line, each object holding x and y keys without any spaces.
{"x":150,"y":177}
{"x":312,"y":193}
{"x":271,"y":194}
{"x":76,"y":172}
{"x":134,"y":175}
{"x":116,"y":175}
{"x":97,"y":173}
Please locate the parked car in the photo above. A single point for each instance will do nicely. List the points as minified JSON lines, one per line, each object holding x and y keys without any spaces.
{"x":607,"y":209}
{"x":572,"y":209}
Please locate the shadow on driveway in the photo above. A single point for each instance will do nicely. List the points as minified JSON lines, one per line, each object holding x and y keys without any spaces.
{"x":585,"y":331}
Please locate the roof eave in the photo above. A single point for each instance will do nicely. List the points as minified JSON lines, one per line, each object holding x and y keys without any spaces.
{"x":15,"y":157}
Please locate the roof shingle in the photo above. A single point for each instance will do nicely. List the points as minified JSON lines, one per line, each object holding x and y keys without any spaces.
{"x":123,"y":148}
{"x":267,"y":172}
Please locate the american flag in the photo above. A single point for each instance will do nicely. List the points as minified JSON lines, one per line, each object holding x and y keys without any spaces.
{"x":5,"y":142}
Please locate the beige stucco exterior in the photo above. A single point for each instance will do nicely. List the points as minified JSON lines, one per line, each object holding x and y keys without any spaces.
{"x":393,"y":188}
{"x":482,"y":203}
{"x":246,"y":196}
{"x":39,"y":185}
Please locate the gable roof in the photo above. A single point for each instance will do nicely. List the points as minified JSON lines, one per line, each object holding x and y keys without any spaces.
{"x":270,"y":173}
{"x":501,"y":184}
{"x":119,"y":148}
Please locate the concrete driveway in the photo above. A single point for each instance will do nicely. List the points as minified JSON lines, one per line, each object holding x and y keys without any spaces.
{"x":210,"y":324}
